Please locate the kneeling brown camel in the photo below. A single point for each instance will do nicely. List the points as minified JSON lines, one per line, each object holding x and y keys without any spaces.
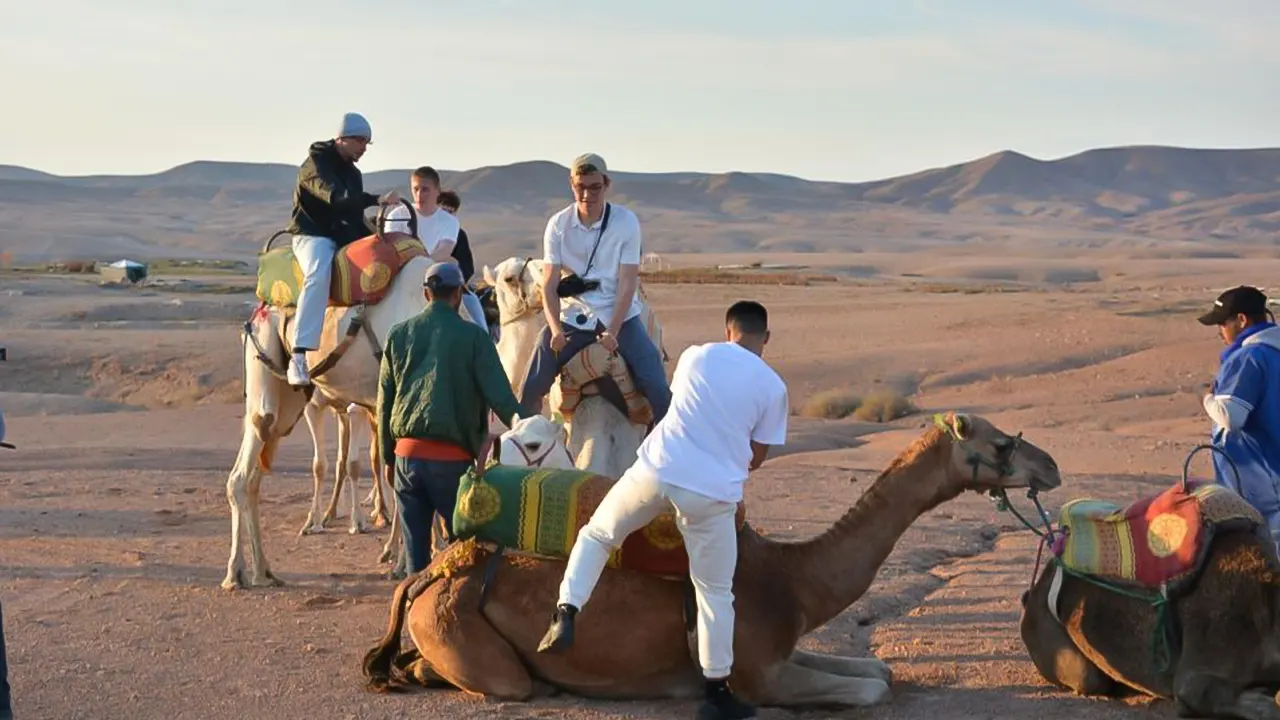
{"x":1210,"y":642}
{"x":631,"y":641}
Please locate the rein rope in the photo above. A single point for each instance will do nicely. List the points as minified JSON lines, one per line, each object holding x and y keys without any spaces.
{"x":1161,"y":651}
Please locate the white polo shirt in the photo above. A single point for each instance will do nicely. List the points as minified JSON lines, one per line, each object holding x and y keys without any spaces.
{"x":432,"y":229}
{"x":722,"y":397}
{"x":567,"y":243}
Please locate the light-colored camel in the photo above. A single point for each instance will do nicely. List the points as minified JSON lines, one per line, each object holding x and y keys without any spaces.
{"x":354,"y":421}
{"x":273,"y":407}
{"x":1224,"y":658}
{"x":601,"y":438}
{"x":631,"y":641}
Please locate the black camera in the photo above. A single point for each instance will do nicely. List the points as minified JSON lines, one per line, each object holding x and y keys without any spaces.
{"x":573,"y":285}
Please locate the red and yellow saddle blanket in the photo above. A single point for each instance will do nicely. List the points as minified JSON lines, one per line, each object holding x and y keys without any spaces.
{"x":362,"y":271}
{"x":1155,"y":541}
{"x":594,"y":362}
{"x":540,"y":511}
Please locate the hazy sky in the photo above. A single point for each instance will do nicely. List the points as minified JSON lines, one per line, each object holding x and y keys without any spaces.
{"x":823,"y":89}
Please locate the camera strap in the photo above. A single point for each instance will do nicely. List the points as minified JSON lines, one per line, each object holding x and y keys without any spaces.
{"x":604,"y":223}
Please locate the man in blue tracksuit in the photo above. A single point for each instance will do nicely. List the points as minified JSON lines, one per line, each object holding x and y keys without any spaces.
{"x":1244,"y":402}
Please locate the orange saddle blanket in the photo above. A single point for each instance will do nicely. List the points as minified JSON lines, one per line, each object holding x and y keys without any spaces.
{"x":1156,"y":541}
{"x":362,"y":271}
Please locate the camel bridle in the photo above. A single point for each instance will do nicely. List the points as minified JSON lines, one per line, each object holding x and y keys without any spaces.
{"x":528,"y":303}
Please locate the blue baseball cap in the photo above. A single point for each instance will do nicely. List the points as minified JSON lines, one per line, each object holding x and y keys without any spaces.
{"x":2,"y":442}
{"x":443,"y":275}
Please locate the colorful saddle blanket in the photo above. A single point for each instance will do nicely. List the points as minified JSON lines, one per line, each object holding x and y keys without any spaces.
{"x":595,"y":362}
{"x":540,"y":511}
{"x":1156,"y":541}
{"x":362,"y":271}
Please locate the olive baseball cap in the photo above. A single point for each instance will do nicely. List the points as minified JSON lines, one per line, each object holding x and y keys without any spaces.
{"x":588,"y":163}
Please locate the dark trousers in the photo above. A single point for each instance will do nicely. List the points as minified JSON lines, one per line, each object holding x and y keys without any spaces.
{"x":641,"y":356}
{"x":6,"y":710}
{"x":425,"y":488}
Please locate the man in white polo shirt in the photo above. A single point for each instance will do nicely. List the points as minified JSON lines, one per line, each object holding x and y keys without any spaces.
{"x":437,"y":229}
{"x":599,"y":242}
{"x":728,"y":406}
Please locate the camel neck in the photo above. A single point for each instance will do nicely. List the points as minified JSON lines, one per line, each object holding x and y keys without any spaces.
{"x":831,"y":571}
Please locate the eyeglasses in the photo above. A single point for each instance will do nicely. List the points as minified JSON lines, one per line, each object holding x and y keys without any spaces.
{"x":594,"y":187}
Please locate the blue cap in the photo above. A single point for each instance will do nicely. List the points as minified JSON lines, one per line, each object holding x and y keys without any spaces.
{"x":354,"y":125}
{"x":2,"y":442}
{"x":443,"y":275}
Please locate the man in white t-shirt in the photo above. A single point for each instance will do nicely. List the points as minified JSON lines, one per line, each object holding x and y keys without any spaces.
{"x":728,"y":406}
{"x":600,"y":243}
{"x":437,"y":229}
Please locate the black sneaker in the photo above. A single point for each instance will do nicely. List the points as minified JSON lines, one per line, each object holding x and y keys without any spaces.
{"x":560,"y":635}
{"x":720,"y":704}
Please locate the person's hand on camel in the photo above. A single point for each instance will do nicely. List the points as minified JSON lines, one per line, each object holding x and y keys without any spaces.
{"x":391,"y":197}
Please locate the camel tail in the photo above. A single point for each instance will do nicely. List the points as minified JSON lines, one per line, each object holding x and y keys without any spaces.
{"x":268,"y":454}
{"x":379,"y":659}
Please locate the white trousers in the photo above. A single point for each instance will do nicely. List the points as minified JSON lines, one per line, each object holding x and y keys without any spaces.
{"x":710,"y":538}
{"x":315,"y":256}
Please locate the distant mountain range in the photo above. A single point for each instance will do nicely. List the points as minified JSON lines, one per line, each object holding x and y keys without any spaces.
{"x":1138,"y":193}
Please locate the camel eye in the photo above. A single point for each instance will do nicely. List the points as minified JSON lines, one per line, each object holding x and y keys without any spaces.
{"x":533,"y":446}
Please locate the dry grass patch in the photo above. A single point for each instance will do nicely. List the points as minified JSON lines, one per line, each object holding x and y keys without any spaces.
{"x":881,"y":406}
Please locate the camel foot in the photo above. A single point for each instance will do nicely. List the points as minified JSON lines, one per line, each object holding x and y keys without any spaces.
{"x":1201,"y":694}
{"x":310,"y":528}
{"x":357,"y":527}
{"x":846,"y":666}
{"x":397,"y":574}
{"x":328,"y":518}
{"x":379,"y":519}
{"x":233,"y":581}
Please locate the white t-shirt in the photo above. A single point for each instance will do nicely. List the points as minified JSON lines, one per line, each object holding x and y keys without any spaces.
{"x":432,"y":229}
{"x":567,"y":243}
{"x":722,"y":397}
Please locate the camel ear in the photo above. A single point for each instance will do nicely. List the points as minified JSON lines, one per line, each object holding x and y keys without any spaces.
{"x":961,"y":426}
{"x":487,"y":274}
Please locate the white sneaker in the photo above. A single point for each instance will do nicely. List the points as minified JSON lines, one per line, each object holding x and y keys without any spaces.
{"x":298,"y":375}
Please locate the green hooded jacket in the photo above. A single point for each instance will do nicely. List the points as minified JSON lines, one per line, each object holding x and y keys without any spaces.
{"x":440,"y":376}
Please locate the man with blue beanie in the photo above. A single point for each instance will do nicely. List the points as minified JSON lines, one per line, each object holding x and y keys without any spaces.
{"x":328,"y":213}
{"x":1244,"y":401}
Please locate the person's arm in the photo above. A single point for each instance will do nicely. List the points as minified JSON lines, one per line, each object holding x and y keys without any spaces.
{"x":386,"y":398}
{"x":1238,"y":391}
{"x":492,"y":382}
{"x":462,"y":254}
{"x":323,"y":182}
{"x":444,"y":248}
{"x":628,"y":277}
{"x":551,"y":242}
{"x":771,"y":427}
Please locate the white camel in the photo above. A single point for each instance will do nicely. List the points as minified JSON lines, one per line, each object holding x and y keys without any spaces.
{"x":601,"y":438}
{"x":273,"y":407}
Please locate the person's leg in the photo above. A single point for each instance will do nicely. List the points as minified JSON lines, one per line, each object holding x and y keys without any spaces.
{"x":545,"y":365}
{"x":444,"y":476}
{"x":6,"y":707}
{"x":644,"y":361}
{"x":474,"y":310}
{"x":711,"y":540}
{"x":315,"y":258}
{"x":413,"y":503}
{"x":630,"y":504}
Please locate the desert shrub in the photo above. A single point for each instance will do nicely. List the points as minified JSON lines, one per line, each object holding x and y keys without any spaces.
{"x":884,"y":406}
{"x":831,"y":404}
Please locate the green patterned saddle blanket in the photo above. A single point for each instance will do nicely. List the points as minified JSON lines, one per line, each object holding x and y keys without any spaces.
{"x":540,"y":511}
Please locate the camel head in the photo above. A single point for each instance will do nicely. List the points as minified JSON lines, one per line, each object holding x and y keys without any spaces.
{"x":517,"y":285}
{"x":535,"y":442}
{"x":984,"y":458}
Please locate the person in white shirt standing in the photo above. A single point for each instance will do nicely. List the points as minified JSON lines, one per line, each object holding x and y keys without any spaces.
{"x":728,"y":406}
{"x":437,"y":229}
{"x":599,"y":242}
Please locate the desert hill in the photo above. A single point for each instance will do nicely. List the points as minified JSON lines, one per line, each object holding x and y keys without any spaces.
{"x":1136,"y":194}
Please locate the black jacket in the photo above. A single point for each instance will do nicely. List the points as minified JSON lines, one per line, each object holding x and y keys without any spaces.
{"x":329,"y":199}
{"x":462,"y":253}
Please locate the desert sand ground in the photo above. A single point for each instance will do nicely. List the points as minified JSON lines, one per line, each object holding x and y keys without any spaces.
{"x":125,"y":405}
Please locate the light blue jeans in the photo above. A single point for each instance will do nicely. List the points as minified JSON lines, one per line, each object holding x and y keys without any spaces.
{"x":315,"y":257}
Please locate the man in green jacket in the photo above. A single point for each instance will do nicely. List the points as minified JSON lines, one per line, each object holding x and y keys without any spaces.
{"x":440,"y":376}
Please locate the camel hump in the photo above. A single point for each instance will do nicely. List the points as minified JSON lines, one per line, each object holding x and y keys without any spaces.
{"x":1156,"y":541}
{"x":362,"y":271}
{"x":596,"y":371}
{"x":540,"y":511}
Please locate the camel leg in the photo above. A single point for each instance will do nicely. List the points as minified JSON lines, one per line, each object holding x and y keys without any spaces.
{"x":1052,"y":650}
{"x":463,"y":649}
{"x":796,"y":685}
{"x":352,"y":464}
{"x":846,"y":666}
{"x":314,"y":414}
{"x":246,"y":465}
{"x":1205,"y":694}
